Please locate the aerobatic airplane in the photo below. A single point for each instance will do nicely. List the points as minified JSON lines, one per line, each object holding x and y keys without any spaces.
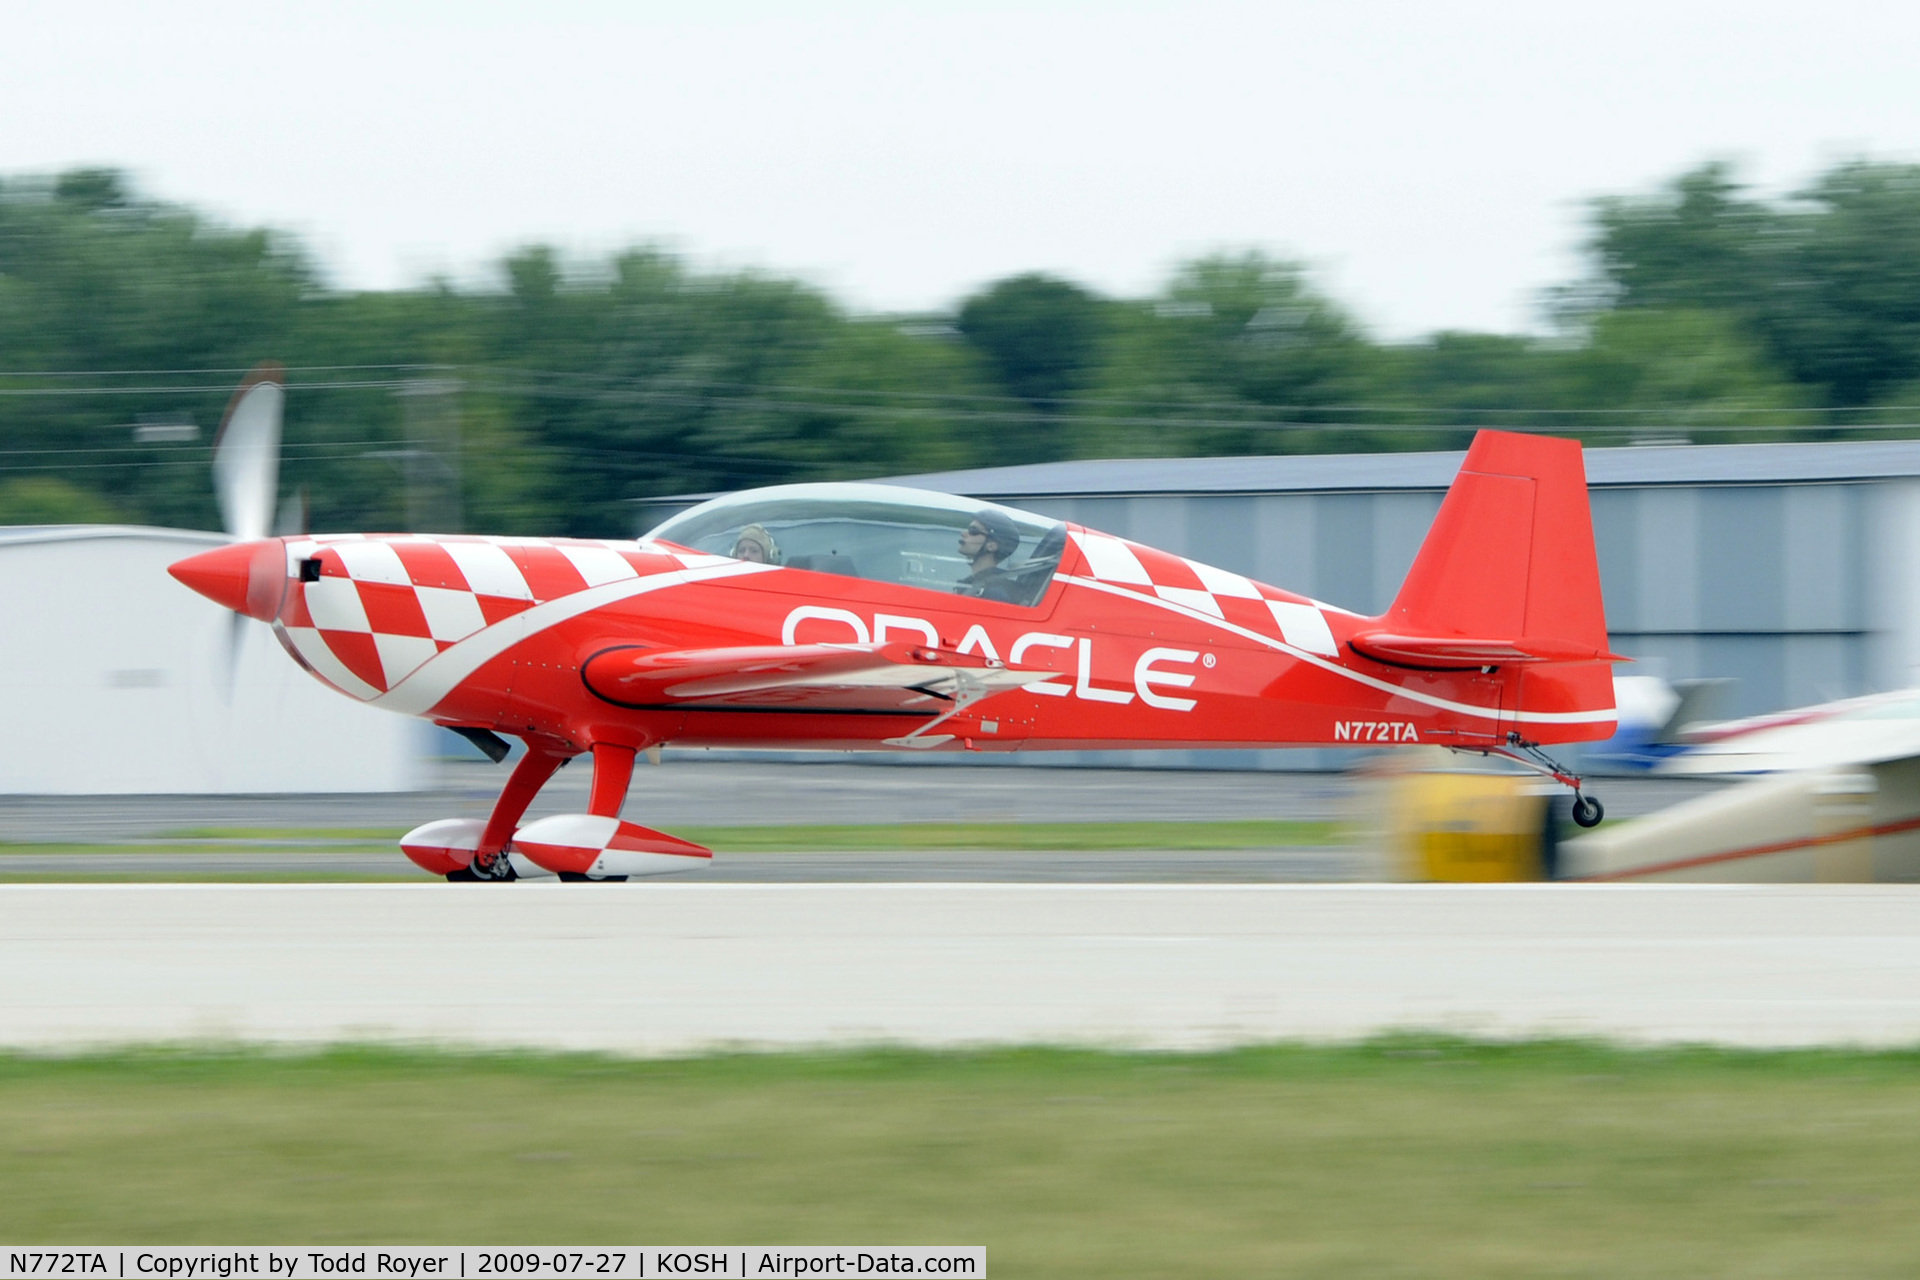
{"x":870,"y":617}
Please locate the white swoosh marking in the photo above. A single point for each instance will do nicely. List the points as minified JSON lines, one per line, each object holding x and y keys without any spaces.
{"x":434,"y":679}
{"x":1385,"y":686}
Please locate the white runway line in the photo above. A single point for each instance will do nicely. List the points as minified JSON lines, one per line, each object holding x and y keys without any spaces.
{"x":670,"y":968}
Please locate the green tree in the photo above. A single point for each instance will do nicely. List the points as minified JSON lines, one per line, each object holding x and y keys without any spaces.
{"x":1041,"y":338}
{"x":1828,"y":282}
{"x":48,"y":500}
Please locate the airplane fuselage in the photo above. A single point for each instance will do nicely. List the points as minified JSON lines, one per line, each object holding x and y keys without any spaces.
{"x":1156,"y":652}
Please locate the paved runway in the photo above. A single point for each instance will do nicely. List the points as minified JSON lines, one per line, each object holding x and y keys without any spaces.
{"x":671,"y":968}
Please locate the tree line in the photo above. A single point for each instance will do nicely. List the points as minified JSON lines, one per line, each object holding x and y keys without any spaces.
{"x":553,"y":398}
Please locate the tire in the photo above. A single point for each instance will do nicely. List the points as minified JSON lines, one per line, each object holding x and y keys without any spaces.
{"x":1587,"y":811}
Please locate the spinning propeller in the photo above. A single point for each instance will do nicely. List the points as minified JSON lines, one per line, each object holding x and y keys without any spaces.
{"x":246,"y":472}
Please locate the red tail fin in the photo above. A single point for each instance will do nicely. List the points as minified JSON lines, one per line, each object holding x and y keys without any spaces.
{"x":1507,"y":573}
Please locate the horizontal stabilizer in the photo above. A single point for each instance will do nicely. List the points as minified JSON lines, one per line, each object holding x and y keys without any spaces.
{"x":1448,"y":652}
{"x":785,"y":677}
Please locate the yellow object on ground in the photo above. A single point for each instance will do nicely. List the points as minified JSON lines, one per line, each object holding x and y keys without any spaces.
{"x":1467,"y":827}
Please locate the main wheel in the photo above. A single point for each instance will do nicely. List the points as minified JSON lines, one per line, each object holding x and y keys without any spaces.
{"x":1587,"y":811}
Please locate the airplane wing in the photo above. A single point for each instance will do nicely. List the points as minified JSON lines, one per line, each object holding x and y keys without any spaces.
{"x":810,"y":677}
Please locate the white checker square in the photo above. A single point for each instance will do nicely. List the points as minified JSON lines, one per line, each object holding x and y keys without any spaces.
{"x":1112,"y":560}
{"x":599,"y":565}
{"x":1304,"y":627}
{"x":308,"y":643}
{"x":334,"y":605}
{"x":373,"y":562}
{"x":451,"y":615}
{"x":489,"y":570}
{"x":1223,"y":583}
{"x":1199,"y":601}
{"x":399,"y":655}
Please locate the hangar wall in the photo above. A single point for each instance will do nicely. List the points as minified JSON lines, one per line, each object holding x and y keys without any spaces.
{"x":115,"y":680}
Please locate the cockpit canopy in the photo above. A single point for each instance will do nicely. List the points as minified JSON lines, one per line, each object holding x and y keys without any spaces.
{"x":907,"y":536}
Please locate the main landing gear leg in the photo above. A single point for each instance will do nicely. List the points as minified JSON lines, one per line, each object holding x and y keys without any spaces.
{"x":612,"y":774}
{"x":535,"y":767}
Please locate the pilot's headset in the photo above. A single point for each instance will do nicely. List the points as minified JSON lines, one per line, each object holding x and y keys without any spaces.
{"x":756,"y":536}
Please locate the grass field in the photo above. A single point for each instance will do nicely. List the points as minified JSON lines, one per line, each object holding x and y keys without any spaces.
{"x":1407,"y":1157}
{"x":846,"y":838}
{"x":1248,"y":834}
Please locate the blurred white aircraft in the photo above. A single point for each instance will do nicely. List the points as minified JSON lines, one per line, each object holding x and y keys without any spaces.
{"x":1837,"y":798}
{"x":1876,"y":729}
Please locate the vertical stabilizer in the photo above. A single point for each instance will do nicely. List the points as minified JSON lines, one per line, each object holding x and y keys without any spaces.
{"x":1508,"y":572}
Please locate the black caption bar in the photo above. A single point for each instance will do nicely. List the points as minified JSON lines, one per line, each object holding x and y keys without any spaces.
{"x":488,"y":1262}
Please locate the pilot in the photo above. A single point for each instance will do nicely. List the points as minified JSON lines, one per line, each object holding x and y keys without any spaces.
{"x":756,"y":544}
{"x":988,"y":542}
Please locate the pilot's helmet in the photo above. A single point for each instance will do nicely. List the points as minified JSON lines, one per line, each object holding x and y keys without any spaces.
{"x":1000,"y":530}
{"x":755,"y":543}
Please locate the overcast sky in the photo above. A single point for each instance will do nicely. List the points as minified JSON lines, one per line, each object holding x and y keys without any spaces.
{"x":1430,"y":161}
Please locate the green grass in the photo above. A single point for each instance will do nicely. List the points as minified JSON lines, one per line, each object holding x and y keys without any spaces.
{"x":1406,"y":1157}
{"x":848,"y":837}
{"x":168,"y":848}
{"x":383,"y":835}
{"x":402,"y":872}
{"x":908,"y":837}
{"x":1251,"y":834}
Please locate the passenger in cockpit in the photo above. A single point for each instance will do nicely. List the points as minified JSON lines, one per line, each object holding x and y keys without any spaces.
{"x":756,"y":544}
{"x":987,"y":543}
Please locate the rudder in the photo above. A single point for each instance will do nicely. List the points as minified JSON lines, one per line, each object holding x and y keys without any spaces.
{"x":1508,"y":572}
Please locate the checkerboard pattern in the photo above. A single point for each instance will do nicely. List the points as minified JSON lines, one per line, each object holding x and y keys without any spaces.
{"x":1300,"y":622}
{"x":383,"y":605}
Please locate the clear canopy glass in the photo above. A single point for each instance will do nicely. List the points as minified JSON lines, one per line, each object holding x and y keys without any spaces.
{"x":913,"y":537}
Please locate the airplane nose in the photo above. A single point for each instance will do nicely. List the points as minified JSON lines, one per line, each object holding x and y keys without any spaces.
{"x":246,"y":577}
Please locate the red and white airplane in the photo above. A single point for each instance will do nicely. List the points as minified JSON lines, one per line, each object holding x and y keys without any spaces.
{"x":869,"y":617}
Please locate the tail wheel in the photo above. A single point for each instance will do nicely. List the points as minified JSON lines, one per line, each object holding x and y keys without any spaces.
{"x":1587,"y":811}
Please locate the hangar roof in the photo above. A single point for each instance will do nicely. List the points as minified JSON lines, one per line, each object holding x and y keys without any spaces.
{"x":14,"y":535}
{"x":1632,"y":467}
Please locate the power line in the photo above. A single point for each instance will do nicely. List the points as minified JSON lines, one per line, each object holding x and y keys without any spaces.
{"x":169,"y":373}
{"x":791,"y":398}
{"x":204,"y":389}
{"x":1072,"y":402}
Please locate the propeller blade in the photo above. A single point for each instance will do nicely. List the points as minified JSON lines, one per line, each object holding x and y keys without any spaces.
{"x":296,"y":515}
{"x":246,"y":453}
{"x":236,"y":637}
